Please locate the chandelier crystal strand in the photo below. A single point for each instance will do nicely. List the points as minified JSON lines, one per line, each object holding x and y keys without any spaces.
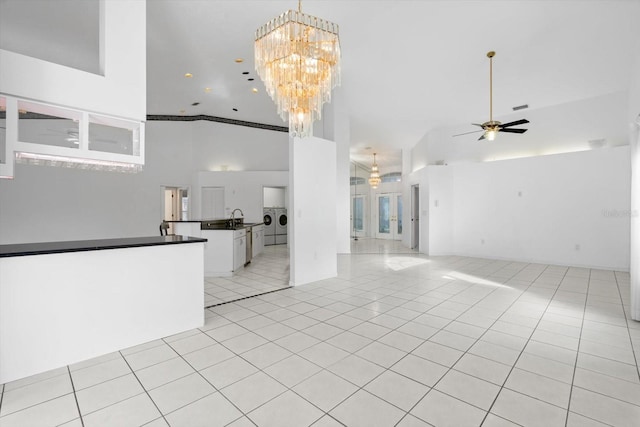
{"x":297,"y":56}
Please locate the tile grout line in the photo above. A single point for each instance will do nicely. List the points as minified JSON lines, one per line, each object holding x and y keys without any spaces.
{"x":75,"y":396}
{"x":575,"y":366}
{"x":450,"y":368}
{"x":217,"y":390}
{"x":143,"y":387}
{"x":513,"y":366}
{"x":350,"y":353}
{"x":633,"y":351}
{"x":247,"y":297}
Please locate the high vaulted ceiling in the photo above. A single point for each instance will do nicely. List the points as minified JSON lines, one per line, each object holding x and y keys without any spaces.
{"x":408,"y":66}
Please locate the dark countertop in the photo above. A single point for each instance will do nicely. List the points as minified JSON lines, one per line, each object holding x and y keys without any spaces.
{"x":24,"y":249}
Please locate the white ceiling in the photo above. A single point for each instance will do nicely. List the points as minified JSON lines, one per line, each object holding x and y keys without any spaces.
{"x":408,"y":66}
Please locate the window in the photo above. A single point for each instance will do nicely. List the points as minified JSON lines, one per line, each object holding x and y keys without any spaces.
{"x":391,"y":177}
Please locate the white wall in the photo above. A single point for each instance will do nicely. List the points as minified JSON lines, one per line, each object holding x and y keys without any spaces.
{"x":635,"y":226}
{"x":634,"y":140}
{"x":50,"y":204}
{"x":274,"y":197}
{"x":239,"y":148}
{"x":242,"y":190}
{"x":562,"y":128}
{"x":440,"y":208}
{"x":343,"y":225}
{"x":45,"y":203}
{"x":120,"y":91}
{"x":565,"y":200}
{"x":311,"y":213}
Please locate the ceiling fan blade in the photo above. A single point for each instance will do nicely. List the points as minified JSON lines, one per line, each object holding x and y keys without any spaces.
{"x":467,"y":133}
{"x":481,"y":138}
{"x":513,"y":130}
{"x":476,"y":124}
{"x":516,"y":123}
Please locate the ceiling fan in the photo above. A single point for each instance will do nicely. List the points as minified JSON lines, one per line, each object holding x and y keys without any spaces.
{"x":492,"y":127}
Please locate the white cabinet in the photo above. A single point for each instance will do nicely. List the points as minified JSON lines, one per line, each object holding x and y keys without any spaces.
{"x":239,"y":248}
{"x":258,"y":239}
{"x":225,"y":251}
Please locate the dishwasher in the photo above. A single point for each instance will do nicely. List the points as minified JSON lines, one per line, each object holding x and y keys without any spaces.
{"x":249,"y":246}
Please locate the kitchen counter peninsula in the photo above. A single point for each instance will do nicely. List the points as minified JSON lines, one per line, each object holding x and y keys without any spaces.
{"x":64,"y":302}
{"x":41,"y":248}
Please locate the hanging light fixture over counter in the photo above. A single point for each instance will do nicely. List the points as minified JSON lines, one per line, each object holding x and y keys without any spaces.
{"x":374,"y":178}
{"x":297,"y":56}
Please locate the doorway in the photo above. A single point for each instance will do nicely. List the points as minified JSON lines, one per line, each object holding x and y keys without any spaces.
{"x":389,"y":218}
{"x":415,"y":217}
{"x":175,"y":205}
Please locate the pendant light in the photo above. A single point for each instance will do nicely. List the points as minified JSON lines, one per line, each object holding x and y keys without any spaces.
{"x":374,"y":178}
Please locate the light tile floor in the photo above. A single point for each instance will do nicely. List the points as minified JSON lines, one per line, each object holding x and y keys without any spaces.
{"x":266,"y":272}
{"x":394,"y":340}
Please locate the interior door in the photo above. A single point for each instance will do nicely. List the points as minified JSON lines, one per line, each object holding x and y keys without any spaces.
{"x":389,"y":216}
{"x":212,"y":202}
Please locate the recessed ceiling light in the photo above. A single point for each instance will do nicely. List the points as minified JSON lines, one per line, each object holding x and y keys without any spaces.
{"x":254,"y":90}
{"x":188,"y":75}
{"x":195,"y":104}
{"x":235,"y":109}
{"x":182,"y":111}
{"x":520,"y":107}
{"x":239,"y":60}
{"x":245,"y":72}
{"x":207,"y":90}
{"x":251,"y":79}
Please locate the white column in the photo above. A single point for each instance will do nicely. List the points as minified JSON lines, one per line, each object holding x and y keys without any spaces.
{"x":312,"y":212}
{"x":634,"y":264}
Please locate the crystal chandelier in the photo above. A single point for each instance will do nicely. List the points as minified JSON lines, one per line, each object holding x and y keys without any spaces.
{"x":297,"y":56}
{"x":374,"y":178}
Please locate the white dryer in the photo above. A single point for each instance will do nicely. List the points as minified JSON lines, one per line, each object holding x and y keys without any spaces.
{"x":281,"y":226}
{"x":269,"y":220}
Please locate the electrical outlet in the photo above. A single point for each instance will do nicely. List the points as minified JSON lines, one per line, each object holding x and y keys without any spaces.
{"x":482,"y":241}
{"x":577,"y":247}
{"x":519,"y":193}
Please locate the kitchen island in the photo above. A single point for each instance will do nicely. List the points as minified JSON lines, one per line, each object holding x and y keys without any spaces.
{"x":64,"y":302}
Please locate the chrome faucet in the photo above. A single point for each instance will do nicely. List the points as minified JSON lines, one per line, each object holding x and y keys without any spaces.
{"x":233,"y":217}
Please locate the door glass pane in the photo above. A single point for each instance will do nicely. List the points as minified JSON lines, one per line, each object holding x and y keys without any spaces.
{"x":399,"y":216}
{"x":358,"y":214}
{"x":383,"y":214}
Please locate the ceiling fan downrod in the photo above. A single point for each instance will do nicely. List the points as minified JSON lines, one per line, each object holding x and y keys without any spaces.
{"x":490,"y":55}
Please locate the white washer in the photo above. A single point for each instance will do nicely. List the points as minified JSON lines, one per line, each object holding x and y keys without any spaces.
{"x":281,"y":226}
{"x":269,"y":220}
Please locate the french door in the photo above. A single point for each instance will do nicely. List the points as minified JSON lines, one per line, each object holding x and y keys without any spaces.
{"x":389,"y":218}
